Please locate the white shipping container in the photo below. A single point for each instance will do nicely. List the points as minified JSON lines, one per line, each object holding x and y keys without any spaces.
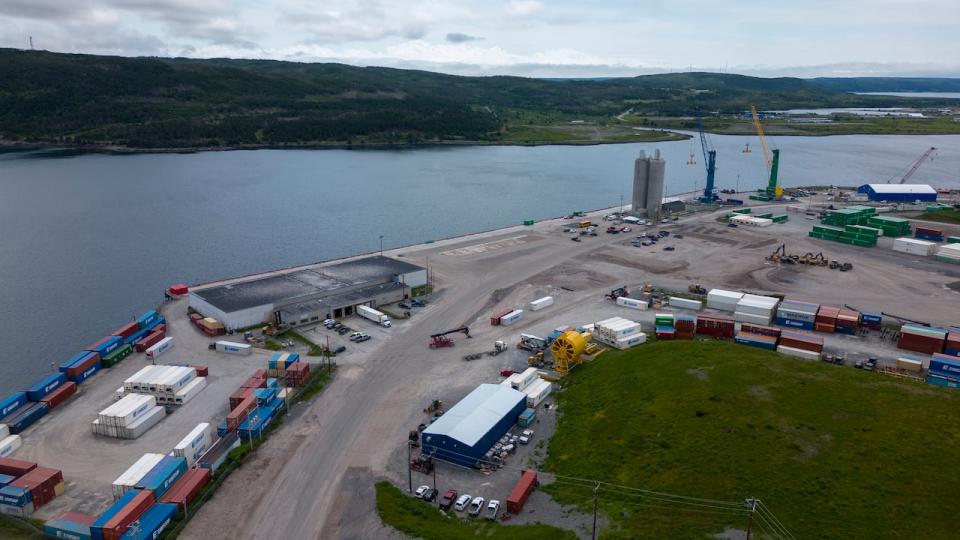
{"x":177,"y":380}
{"x":127,"y":410}
{"x":525,"y":379}
{"x":909,"y":364}
{"x":685,"y":303}
{"x":798,"y":353}
{"x":160,"y":347}
{"x":723,"y":300}
{"x":914,"y":246}
{"x":511,"y":317}
{"x":4,"y":431}
{"x":189,"y":391}
{"x":129,"y":479}
{"x":630,"y":341}
{"x":144,"y":423}
{"x":9,"y":445}
{"x":119,"y":393}
{"x":132,"y":382}
{"x":537,"y":392}
{"x":751,"y":318}
{"x":194,"y":444}
{"x":632,"y":303}
{"x":230,"y":347}
{"x":541,"y":303}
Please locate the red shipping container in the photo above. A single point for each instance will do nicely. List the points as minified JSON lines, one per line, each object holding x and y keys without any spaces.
{"x":78,"y":518}
{"x":94,"y":345}
{"x":239,"y":413}
{"x":239,"y":396}
{"x":260,"y":374}
{"x":16,"y":467}
{"x":119,"y":524}
{"x":58,"y":396}
{"x":799,"y":340}
{"x":160,"y":328}
{"x":927,"y":230}
{"x":918,"y":343}
{"x":848,"y":318}
{"x":495,"y":319}
{"x":79,"y":369}
{"x":148,"y":341}
{"x":683,"y":335}
{"x":126,"y":330}
{"x":202,"y":371}
{"x":685,"y":325}
{"x":720,"y":327}
{"x":827,"y":328}
{"x":41,"y":481}
{"x":187,"y":488}
{"x":760,"y":329}
{"x":195,"y":317}
{"x":828,"y":315}
{"x":521,"y":492}
{"x":254,"y":382}
{"x":179,"y":289}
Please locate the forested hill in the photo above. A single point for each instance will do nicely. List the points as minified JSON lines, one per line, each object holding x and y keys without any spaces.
{"x":178,"y":103}
{"x":889,"y":84}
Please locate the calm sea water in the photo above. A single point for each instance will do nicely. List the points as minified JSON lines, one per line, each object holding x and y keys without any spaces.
{"x":90,"y":240}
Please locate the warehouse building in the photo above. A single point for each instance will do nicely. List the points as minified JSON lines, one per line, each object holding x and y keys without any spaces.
{"x":899,"y":192}
{"x":468,"y":430}
{"x":309,"y":294}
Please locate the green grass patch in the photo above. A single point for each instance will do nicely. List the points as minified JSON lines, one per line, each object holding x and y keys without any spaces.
{"x":942,"y":216}
{"x":833,"y":452}
{"x":537,"y":134}
{"x":12,"y":528}
{"x":272,"y":345}
{"x":315,"y":384}
{"x":419,"y":519}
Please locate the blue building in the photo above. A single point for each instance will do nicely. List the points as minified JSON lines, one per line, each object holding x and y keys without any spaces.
{"x":468,"y":430}
{"x":899,"y":192}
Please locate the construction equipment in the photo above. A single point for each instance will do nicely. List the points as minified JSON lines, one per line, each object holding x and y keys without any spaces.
{"x":617,"y":293}
{"x":529,"y":342}
{"x":916,"y":165}
{"x":422,"y":464}
{"x":268,"y":330}
{"x":696,"y":289}
{"x":567,"y":350}
{"x":780,"y":255}
{"x":710,"y":161}
{"x":536,"y":360}
{"x":772,"y":159}
{"x":439,"y":340}
{"x":498,"y":347}
{"x":434,"y":406}
{"x":814,"y":260}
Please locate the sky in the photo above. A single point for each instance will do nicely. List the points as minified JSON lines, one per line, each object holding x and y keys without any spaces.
{"x":536,"y":38}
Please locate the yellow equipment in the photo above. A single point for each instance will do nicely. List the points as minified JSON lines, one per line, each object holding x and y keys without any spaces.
{"x":566,"y":351}
{"x":774,"y":190}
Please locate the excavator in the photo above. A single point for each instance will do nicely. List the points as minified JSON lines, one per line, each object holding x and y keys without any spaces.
{"x":781,"y":256}
{"x":617,"y":293}
{"x":439,"y":340}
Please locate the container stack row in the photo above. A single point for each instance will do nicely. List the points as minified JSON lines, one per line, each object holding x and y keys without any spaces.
{"x":170,"y":385}
{"x":26,"y":487}
{"x":618,"y":332}
{"x":129,"y":418}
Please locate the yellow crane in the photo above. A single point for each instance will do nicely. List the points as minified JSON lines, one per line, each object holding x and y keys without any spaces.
{"x":772,"y":158}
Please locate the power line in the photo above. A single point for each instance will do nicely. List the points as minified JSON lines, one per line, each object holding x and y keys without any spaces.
{"x":762,"y":519}
{"x":716,"y":509}
{"x":763,"y":509}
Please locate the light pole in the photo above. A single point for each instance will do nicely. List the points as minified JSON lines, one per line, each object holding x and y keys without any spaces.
{"x":381,"y":245}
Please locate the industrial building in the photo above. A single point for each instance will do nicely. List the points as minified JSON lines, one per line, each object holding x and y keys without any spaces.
{"x":468,"y":430}
{"x":899,"y":192}
{"x":309,"y":294}
{"x":648,"y":184}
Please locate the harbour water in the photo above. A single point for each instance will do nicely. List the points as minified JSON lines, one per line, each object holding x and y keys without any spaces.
{"x":91,"y":240}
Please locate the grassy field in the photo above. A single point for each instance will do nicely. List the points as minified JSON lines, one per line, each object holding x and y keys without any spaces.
{"x":422,"y":520}
{"x":834,"y":452}
{"x":943,"y":216}
{"x":11,"y":530}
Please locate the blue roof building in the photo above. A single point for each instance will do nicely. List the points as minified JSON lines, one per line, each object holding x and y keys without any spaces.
{"x":899,"y":192}
{"x":468,"y":430}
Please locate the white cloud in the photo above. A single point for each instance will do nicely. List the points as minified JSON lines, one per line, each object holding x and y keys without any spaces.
{"x":523,"y":8}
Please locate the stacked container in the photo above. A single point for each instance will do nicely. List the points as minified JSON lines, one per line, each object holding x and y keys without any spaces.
{"x":297,"y":374}
{"x":132,"y":476}
{"x":44,"y":386}
{"x":619,"y":333}
{"x":848,"y":322}
{"x":44,"y":485}
{"x":914,"y":247}
{"x":129,"y":418}
{"x":826,"y":319}
{"x":81,"y":366}
{"x":278,"y":363}
{"x":719,"y":327}
{"x":194,"y":444}
{"x":160,"y":347}
{"x":946,"y":367}
{"x":105,"y":346}
{"x":871,"y":320}
{"x":126,"y":330}
{"x":797,"y":314}
{"x":152,"y":523}
{"x":217,"y":454}
{"x":69,"y":525}
{"x":211,"y":326}
{"x":116,"y":356}
{"x":723,"y":300}
{"x":117,"y":518}
{"x":685,"y":303}
{"x":801,"y":345}
{"x":926,"y":233}
{"x":925,"y":339}
{"x":891,"y":226}
{"x":537,"y":391}
{"x":166,"y":383}
{"x":771,"y":331}
{"x":189,"y":391}
{"x":186,"y":489}
{"x":952,"y":346}
{"x":633,"y":303}
{"x":258,"y":420}
{"x":24,"y":416}
{"x":163,"y":475}
{"x":686,"y":326}
{"x":949,"y":253}
{"x":239,"y":414}
{"x":149,"y":340}
{"x":57,"y":397}
{"x":755,"y":309}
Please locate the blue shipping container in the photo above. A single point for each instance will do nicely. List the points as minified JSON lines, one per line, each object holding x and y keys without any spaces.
{"x":156,"y":322}
{"x":107,"y":346}
{"x":869,"y":316}
{"x":45,"y":385}
{"x":792,"y":323}
{"x":78,"y":358}
{"x":951,"y":352}
{"x":665,"y":329}
{"x":147,"y":319}
{"x":163,"y":475}
{"x":15,"y":496}
{"x":152,"y":523}
{"x":6,"y":479}
{"x":86,"y":374}
{"x":135,"y":337}
{"x":940,"y":381}
{"x":942,"y":365}
{"x":65,"y":528}
{"x":770,"y":345}
{"x":264,"y":395}
{"x":273,"y":383}
{"x":96,"y":530}
{"x":24,"y":417}
{"x":222,"y":428}
{"x":12,"y":403}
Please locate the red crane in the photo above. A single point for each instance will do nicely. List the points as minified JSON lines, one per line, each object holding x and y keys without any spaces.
{"x":917,"y":165}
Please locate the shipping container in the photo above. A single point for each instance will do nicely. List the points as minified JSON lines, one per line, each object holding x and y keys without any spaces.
{"x":58,"y":396}
{"x":81,"y":371}
{"x":685,"y":303}
{"x":82,"y":358}
{"x":127,"y":410}
{"x":537,"y":391}
{"x":798,"y":353}
{"x":42,"y":483}
{"x":46,"y":385}
{"x":25,"y":416}
{"x":495,"y":318}
{"x":16,"y":467}
{"x":4,"y":431}
{"x":521,"y":492}
{"x":720,"y":327}
{"x":17,"y":497}
{"x":230,"y":347}
{"x":217,"y":454}
{"x":907,"y":362}
{"x":760,"y":329}
{"x":752,"y":318}
{"x":794,"y":310}
{"x":125,"y":330}
{"x":945,"y":366}
{"x":117,"y":519}
{"x":69,"y":526}
{"x":527,"y":418}
{"x":189,"y":391}
{"x":756,"y":340}
{"x":665,"y":333}
{"x":186,"y":489}
{"x":8,"y":445}
{"x":178,"y":289}
{"x":511,"y":318}
{"x":798,"y":340}
{"x":162,"y":346}
{"x":541,"y":303}
{"x":12,"y":403}
{"x":148,"y":319}
{"x":633,"y":303}
{"x":148,"y":341}
{"x":116,"y":356}
{"x":129,"y":479}
{"x":921,"y":339}
{"x":105,"y":346}
{"x":163,"y":475}
{"x":763,"y":306}
{"x":239,"y":414}
{"x":152,"y":523}
{"x":793,"y":323}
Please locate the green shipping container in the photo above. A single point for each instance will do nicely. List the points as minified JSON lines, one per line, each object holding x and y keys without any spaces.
{"x":528,"y":222}
{"x":116,"y":356}
{"x":780,"y":218}
{"x":953,"y":239}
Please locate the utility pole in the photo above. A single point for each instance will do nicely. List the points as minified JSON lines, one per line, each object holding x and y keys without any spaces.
{"x":752,"y":505}
{"x":409,"y":470}
{"x":596,"y":496}
{"x":381,"y":245}
{"x":433,"y":466}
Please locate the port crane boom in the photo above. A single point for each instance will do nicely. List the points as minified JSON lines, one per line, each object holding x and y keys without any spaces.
{"x":772,"y":158}
{"x":709,"y":160}
{"x":917,"y":164}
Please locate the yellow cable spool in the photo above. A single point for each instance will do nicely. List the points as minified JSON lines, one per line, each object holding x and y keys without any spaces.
{"x":566,"y":351}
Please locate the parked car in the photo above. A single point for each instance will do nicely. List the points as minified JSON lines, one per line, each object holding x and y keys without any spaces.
{"x":625,"y":229}
{"x":493,"y":509}
{"x":669,"y":248}
{"x":355,"y":335}
{"x":568,"y":229}
{"x":476,"y":506}
{"x":404,"y":305}
{"x":462,"y":502}
{"x":612,"y":230}
{"x":575,"y":238}
{"x":678,"y":236}
{"x":340,"y":349}
{"x":448,"y":499}
{"x":593,"y":233}
{"x":343,"y":330}
{"x":430,"y":495}
{"x":362,"y":338}
{"x":664,"y":220}
{"x":329,"y":323}
{"x":421,"y":490}
{"x":732,"y":225}
{"x":417,"y":303}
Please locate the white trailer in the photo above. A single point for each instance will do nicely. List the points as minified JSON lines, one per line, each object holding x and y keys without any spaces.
{"x":371,"y":314}
{"x":511,"y":317}
{"x":230,"y":347}
{"x":632,"y":303}
{"x":541,"y":303}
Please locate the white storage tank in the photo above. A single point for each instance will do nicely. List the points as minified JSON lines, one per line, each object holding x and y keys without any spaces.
{"x":511,"y":317}
{"x":541,"y":303}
